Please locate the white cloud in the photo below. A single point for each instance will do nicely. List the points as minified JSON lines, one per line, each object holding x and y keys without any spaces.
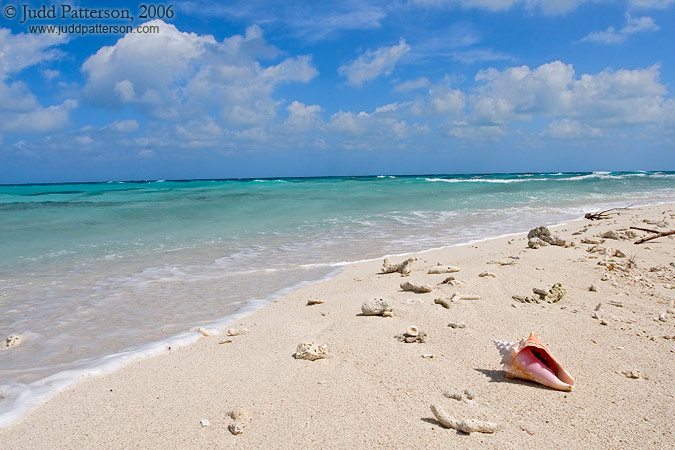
{"x":302,"y":118}
{"x":607,"y":99}
{"x":571,"y":129}
{"x":447,"y":101}
{"x":123,"y":126}
{"x":379,"y":125}
{"x":131,"y":71}
{"x":373,"y":64}
{"x":196,"y":76}
{"x":321,"y":26}
{"x":411,"y":85}
{"x":18,"y":51}
{"x":20,"y":111}
{"x":38,"y":120}
{"x":633,"y":25}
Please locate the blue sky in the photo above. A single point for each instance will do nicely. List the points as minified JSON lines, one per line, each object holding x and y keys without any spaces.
{"x":304,"y":88}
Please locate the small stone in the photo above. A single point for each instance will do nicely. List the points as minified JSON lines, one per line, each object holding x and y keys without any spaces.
{"x":593,"y":288}
{"x":375,"y":307}
{"x":205,"y":422}
{"x":204,"y":331}
{"x":428,"y":355}
{"x":457,"y":325}
{"x":311,"y":302}
{"x":487,"y":274}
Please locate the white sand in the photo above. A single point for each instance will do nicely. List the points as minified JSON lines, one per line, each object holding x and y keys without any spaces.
{"x":375,"y":392}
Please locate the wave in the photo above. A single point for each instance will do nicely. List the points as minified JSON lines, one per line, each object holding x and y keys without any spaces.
{"x":559,"y":176}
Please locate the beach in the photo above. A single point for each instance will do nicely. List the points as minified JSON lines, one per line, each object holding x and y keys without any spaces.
{"x":374,"y":391}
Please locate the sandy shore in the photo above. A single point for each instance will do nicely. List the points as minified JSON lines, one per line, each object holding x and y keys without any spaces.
{"x":375,"y":391}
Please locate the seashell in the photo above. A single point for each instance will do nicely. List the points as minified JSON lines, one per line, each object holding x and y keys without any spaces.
{"x":236,"y":428}
{"x":375,"y":307}
{"x":412,"y":331}
{"x":311,"y":351}
{"x":412,"y":334}
{"x":205,"y":422}
{"x":311,"y":302}
{"x":530,"y":360}
{"x":203,"y":331}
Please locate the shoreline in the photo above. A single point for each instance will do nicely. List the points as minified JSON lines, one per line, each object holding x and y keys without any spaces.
{"x":37,"y":392}
{"x":287,"y":308}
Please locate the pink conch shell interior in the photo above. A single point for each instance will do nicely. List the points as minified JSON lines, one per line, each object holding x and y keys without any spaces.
{"x":529,"y":359}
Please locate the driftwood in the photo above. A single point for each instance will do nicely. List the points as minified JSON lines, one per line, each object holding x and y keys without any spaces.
{"x":603,"y":214}
{"x":657,"y":235}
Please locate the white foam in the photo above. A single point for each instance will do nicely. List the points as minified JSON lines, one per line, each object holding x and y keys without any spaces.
{"x":17,"y":399}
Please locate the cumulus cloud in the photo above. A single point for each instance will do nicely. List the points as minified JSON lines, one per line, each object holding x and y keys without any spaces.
{"x":607,"y":99}
{"x":194,"y":75}
{"x":373,"y":64}
{"x":611,"y":35}
{"x":381,"y":124}
{"x":302,"y":118}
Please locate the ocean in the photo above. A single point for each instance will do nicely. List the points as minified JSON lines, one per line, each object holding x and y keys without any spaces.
{"x":93,"y":275}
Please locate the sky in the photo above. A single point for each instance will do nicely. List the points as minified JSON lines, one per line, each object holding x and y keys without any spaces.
{"x":319,"y":88}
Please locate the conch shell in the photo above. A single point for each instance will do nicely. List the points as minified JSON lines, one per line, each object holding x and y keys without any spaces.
{"x":529,"y":359}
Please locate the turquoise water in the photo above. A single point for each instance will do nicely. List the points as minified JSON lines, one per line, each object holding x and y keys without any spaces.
{"x":93,"y":270}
